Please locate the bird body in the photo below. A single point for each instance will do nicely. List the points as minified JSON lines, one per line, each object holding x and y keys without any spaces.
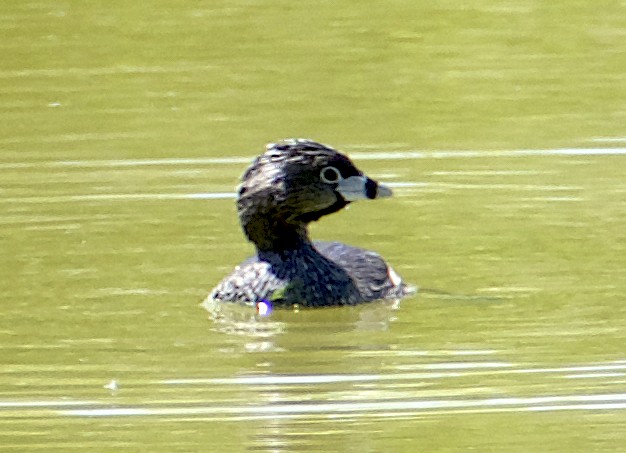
{"x":293,"y":183}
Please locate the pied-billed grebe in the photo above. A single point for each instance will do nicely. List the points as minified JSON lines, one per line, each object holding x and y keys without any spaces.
{"x":293,"y":183}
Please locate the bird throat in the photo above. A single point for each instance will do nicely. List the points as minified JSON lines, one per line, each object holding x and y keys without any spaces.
{"x":275,"y":235}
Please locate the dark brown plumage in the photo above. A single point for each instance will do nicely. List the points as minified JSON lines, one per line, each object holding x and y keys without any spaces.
{"x":293,"y":183}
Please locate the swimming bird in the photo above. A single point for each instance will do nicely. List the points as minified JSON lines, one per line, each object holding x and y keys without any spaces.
{"x":295,"y":182}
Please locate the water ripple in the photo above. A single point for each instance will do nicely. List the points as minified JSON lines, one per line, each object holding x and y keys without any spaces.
{"x":367,"y":408}
{"x":387,"y":155}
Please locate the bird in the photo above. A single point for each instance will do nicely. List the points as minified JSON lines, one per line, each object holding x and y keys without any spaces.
{"x":293,"y":183}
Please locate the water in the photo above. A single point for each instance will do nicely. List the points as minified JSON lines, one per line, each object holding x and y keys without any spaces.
{"x":124,"y":132}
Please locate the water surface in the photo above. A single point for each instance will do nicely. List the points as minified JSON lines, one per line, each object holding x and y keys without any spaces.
{"x":124,"y":132}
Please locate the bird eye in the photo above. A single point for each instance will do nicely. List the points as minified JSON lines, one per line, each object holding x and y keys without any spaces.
{"x":330,"y":175}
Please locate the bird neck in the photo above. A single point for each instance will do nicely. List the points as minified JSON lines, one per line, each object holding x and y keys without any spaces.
{"x":270,"y":234}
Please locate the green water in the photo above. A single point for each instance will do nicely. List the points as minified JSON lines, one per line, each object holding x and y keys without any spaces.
{"x":123,"y":131}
